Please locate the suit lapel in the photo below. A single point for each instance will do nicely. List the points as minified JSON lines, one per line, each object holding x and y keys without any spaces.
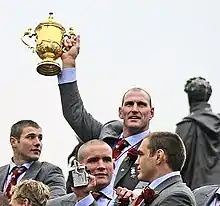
{"x":123,"y":170}
{"x":32,"y":171}
{"x":124,"y":167}
{"x":164,"y":185}
{"x":210,"y":196}
{"x":3,"y":176}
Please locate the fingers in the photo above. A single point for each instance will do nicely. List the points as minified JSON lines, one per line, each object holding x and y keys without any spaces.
{"x":123,"y":193}
{"x":73,"y":41}
{"x":92,"y":181}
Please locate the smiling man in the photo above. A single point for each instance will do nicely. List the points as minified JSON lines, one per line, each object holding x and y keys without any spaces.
{"x":96,"y":155}
{"x":136,"y":112}
{"x":26,"y":142}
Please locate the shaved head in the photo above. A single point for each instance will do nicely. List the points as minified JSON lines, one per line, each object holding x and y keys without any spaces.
{"x":82,"y":150}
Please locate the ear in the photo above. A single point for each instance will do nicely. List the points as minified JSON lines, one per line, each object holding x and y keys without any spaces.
{"x":120,"y":113}
{"x":26,"y":202}
{"x":13,"y":141}
{"x":160,"y":156}
{"x":151,"y":113}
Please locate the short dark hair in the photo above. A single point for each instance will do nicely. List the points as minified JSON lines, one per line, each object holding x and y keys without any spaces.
{"x":172,"y":145}
{"x":136,"y":89}
{"x":198,"y":89}
{"x":18,"y":127}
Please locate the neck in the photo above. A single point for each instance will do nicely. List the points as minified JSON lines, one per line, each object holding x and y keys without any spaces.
{"x":18,"y":161}
{"x":127,"y":132}
{"x":193,"y":106}
{"x":161,"y":173}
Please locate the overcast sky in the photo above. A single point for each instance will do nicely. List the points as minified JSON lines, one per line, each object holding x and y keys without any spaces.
{"x":157,"y":45}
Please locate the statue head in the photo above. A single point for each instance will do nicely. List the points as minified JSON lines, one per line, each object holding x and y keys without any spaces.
{"x":198,"y":90}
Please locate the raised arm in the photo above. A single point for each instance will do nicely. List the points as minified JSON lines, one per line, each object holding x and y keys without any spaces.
{"x":84,"y":125}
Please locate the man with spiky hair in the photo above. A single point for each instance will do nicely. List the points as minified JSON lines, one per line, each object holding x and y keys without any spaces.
{"x":200,"y":131}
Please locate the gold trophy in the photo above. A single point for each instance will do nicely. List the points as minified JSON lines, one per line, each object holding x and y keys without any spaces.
{"x":49,"y":37}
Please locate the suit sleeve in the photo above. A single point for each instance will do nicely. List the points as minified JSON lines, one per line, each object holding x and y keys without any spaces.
{"x":56,"y":182}
{"x":178,"y":199}
{"x":83,"y":123}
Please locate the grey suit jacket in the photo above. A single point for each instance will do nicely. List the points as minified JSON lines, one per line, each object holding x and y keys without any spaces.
{"x":66,"y":200}
{"x":205,"y":195}
{"x":45,"y":172}
{"x":87,"y":128}
{"x":173,"y":192}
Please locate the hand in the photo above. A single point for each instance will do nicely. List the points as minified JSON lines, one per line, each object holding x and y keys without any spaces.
{"x":124,"y":193}
{"x":84,"y":191}
{"x":72,"y":46}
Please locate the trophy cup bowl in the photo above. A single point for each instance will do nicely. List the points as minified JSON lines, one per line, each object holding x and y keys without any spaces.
{"x":49,"y":37}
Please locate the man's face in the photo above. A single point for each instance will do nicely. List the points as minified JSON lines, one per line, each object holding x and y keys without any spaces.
{"x":136,"y":111}
{"x":98,"y":160}
{"x":146,"y":163}
{"x":28,"y":147}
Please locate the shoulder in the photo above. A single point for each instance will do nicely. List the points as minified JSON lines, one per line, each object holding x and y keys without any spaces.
{"x":178,"y":192}
{"x":47,"y":167}
{"x":205,"y":189}
{"x":111,"y":129}
{"x":65,"y":198}
{"x":4,"y":166}
{"x":185,"y":120}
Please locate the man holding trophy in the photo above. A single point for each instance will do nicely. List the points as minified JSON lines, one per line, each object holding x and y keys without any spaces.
{"x":136,"y":109}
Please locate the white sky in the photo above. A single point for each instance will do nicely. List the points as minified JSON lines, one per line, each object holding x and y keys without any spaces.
{"x":157,"y":45}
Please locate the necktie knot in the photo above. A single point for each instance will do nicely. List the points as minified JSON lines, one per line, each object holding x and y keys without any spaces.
{"x":97,"y":195}
{"x":15,"y":173}
{"x":148,"y":195}
{"x":121,"y":144}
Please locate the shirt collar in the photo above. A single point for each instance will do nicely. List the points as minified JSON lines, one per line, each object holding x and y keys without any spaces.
{"x":135,"y":139}
{"x":108,"y":191}
{"x":218,"y":191}
{"x":159,"y":180}
{"x":12,"y":165}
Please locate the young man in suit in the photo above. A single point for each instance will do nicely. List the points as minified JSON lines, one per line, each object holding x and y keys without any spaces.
{"x":161,"y":156}
{"x":26,"y":142}
{"x":136,"y":111}
{"x":96,"y":155}
{"x":208,"y":195}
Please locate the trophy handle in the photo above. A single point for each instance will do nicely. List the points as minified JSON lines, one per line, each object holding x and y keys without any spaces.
{"x":30,"y":34}
{"x":69,"y":35}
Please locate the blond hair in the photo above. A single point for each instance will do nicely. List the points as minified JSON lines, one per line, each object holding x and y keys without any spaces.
{"x":34,"y":191}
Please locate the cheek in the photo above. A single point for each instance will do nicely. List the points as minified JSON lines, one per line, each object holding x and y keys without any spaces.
{"x":110,"y":169}
{"x":91,"y":168}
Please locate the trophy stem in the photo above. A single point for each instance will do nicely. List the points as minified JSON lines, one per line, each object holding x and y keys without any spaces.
{"x":48,"y":68}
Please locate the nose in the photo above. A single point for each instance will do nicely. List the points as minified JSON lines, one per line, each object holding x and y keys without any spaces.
{"x":135,"y":107}
{"x":101,"y":165}
{"x":137,"y":161}
{"x":37,"y":142}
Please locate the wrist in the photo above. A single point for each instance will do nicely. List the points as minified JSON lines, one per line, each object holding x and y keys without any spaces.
{"x":68,"y":63}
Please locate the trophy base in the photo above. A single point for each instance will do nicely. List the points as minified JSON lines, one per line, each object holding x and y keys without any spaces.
{"x":48,"y":68}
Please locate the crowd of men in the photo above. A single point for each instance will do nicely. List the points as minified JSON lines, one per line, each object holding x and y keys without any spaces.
{"x":127,"y":164}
